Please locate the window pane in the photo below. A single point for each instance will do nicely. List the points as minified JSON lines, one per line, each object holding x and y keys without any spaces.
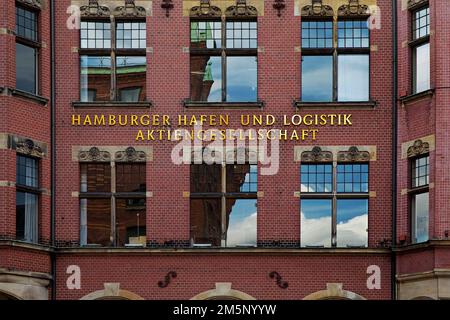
{"x":96,"y":222}
{"x":317,"y":78}
{"x":95,"y":80}
{"x":316,"y":223}
{"x":421,"y":23}
{"x":241,"y":222}
{"x":317,"y":34}
{"x":95,"y":35}
{"x":131,"y":177}
{"x":421,"y":217}
{"x":422,"y":68}
{"x":352,"y":178}
{"x":241,"y":35}
{"x":27,"y":172}
{"x":352,"y":222}
{"x":26,"y":68}
{"x":206,"y":34}
{"x":353,"y":34}
{"x":242,"y":178}
{"x":316,"y":178}
{"x":206,"y":178}
{"x":26,"y":24}
{"x":206,"y":78}
{"x":420,"y":172}
{"x":206,"y":221}
{"x":26,"y":217}
{"x":131,"y":78}
{"x":131,"y":35}
{"x":353,"y":77}
{"x":242,"y":79}
{"x":95,"y":177}
{"x":130,"y":222}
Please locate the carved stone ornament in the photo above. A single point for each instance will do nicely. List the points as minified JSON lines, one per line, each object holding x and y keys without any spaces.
{"x":94,"y":155}
{"x":28,"y":147}
{"x":317,"y":155}
{"x":32,"y":3}
{"x":353,"y":8}
{"x":205,"y":9}
{"x":130,"y":10}
{"x":418,"y":148}
{"x":241,"y":9}
{"x":353,"y":155}
{"x":94,"y":10}
{"x":131,"y":155}
{"x":317,"y":9}
{"x":413,"y":4}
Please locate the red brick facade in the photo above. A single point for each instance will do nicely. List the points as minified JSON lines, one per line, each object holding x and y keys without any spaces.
{"x":305,"y":270}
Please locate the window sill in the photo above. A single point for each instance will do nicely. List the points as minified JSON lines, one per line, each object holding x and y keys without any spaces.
{"x":223,"y":105}
{"x":26,"y":95}
{"x":358,"y":105}
{"x":417,"y":96}
{"x":112,"y":104}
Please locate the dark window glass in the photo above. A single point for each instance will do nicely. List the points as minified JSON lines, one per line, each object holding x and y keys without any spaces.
{"x":130,"y":222}
{"x":420,"y":223}
{"x":95,"y":177}
{"x":422,"y":68}
{"x":353,"y":34}
{"x":206,"y":221}
{"x":242,"y":79}
{"x":317,"y":177}
{"x":316,"y":222}
{"x":206,"y":34}
{"x":206,"y":178}
{"x":26,"y":68}
{"x":317,"y":78}
{"x":27,"y":172}
{"x":241,"y":215}
{"x":242,"y":178}
{"x":353,"y":77}
{"x":131,"y":177}
{"x":421,"y":23}
{"x":95,"y":35}
{"x":131,"y":78}
{"x":96,"y":76}
{"x":27,"y":217}
{"x":242,"y":34}
{"x":420,"y":172}
{"x":26,"y":24}
{"x":96,"y":222}
{"x":206,"y":78}
{"x":352,"y":222}
{"x":317,"y":34}
{"x":353,"y":178}
{"x":131,"y":35}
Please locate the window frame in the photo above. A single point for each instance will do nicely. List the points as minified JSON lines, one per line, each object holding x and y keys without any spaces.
{"x":223,"y":52}
{"x":223,"y":195}
{"x":113,"y":52}
{"x":30,"y":190}
{"x":415,"y":43}
{"x":33,"y":44}
{"x":335,"y":51}
{"x":334,"y":196}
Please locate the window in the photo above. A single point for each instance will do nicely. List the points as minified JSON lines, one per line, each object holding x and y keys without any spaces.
{"x":113,"y":64}
{"x":223,"y":205}
{"x":335,"y":66}
{"x":27,"y":48}
{"x":113,"y":207}
{"x":420,"y":172}
{"x":334,"y":213}
{"x":27,"y":195}
{"x":224,"y":60}
{"x":421,"y":50}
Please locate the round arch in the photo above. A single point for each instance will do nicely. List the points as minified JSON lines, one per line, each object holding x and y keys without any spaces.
{"x":112,"y":291}
{"x":334,"y":291}
{"x":223,"y":291}
{"x":7,"y":295}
